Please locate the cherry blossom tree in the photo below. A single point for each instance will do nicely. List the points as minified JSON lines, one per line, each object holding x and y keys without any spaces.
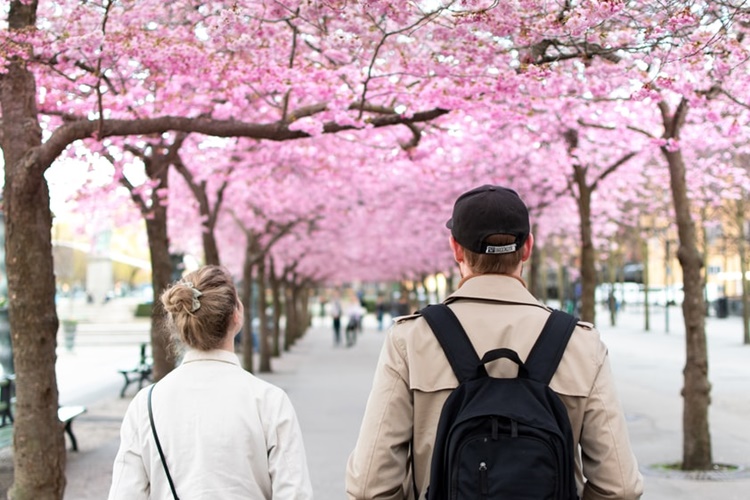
{"x":98,"y":65}
{"x":134,"y":79}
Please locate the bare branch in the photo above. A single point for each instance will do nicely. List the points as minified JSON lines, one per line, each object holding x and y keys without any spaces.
{"x":419,"y":22}
{"x":673,"y":123}
{"x":71,"y":132}
{"x":293,"y":52}
{"x":612,"y":168}
{"x":641,"y":131}
{"x":537,"y":54}
{"x":137,"y":199}
{"x":734,"y":99}
{"x":99,"y":76}
{"x":415,"y":138}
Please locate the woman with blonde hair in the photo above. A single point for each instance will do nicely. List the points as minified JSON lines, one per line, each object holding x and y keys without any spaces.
{"x":209,"y":429}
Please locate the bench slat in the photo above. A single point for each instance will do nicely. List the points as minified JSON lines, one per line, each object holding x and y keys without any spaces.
{"x":66,"y":414}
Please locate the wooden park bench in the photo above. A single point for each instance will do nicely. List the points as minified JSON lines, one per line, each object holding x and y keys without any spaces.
{"x":66,"y":415}
{"x":141,"y":373}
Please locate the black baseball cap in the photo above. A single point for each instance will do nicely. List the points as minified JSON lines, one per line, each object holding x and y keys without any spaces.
{"x":488,"y":210}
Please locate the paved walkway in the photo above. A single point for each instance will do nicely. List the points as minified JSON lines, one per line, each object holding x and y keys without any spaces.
{"x":329,"y":388}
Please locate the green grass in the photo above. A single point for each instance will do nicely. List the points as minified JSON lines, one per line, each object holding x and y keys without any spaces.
{"x":143,"y":310}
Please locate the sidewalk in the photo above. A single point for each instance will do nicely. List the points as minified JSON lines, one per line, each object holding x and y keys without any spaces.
{"x":648,"y":370}
{"x":329,"y":387}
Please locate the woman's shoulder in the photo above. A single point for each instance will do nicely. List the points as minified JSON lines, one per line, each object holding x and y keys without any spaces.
{"x":261,"y":386}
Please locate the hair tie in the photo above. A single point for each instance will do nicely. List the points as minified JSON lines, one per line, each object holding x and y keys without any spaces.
{"x":196,"y":293}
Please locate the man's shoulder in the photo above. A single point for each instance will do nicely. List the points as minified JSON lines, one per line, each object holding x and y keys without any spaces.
{"x":585,"y":325}
{"x":407,"y":317}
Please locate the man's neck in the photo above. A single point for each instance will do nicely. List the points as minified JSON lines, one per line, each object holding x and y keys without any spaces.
{"x":468,"y":277}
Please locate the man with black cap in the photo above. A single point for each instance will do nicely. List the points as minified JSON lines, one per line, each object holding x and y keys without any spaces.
{"x":490,"y":239}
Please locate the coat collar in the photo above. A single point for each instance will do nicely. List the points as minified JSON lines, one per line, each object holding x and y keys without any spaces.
{"x":212,"y":355}
{"x":495,"y":287}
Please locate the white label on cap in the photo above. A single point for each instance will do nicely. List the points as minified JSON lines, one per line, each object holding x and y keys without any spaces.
{"x":503,"y":249}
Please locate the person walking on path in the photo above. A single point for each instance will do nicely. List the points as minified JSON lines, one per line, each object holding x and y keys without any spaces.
{"x":336,"y":312}
{"x":354,"y":314}
{"x":209,"y":429}
{"x":490,"y":239}
{"x":380,"y":312}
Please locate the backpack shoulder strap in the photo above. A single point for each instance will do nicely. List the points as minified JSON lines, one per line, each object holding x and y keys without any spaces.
{"x":548,"y":350}
{"x":455,"y":343}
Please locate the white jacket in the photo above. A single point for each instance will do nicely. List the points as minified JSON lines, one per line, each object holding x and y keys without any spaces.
{"x":225,"y":434}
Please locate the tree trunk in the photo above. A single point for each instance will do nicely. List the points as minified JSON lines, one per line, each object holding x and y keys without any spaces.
{"x":646,"y":283}
{"x":208,"y":228}
{"x":561,"y":285}
{"x":588,"y":254}
{"x":276,"y":307}
{"x":39,"y":444}
{"x":155,"y":215}
{"x":704,"y":239}
{"x":208,"y":214}
{"x":157,"y":157}
{"x":161,"y":276}
{"x":247,"y":301}
{"x":300,"y":316}
{"x":696,"y":391}
{"x":450,"y":278}
{"x":534,"y":269}
{"x":612,"y":298}
{"x":544,"y":278}
{"x":210,"y":249}
{"x":264,"y":337}
{"x":303,"y":298}
{"x":742,"y":247}
{"x":745,"y":298}
{"x":290,"y":330}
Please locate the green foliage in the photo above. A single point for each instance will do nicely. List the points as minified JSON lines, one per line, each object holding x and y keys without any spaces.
{"x":143,"y":310}
{"x":69,"y":325}
{"x":369,"y":304}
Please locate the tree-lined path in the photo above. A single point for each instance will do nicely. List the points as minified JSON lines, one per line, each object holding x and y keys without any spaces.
{"x":329,"y":387}
{"x":302,"y":143}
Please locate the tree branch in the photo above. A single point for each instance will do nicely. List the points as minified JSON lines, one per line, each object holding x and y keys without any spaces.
{"x":365,"y":85}
{"x":137,"y":199}
{"x":71,"y":132}
{"x":612,"y":168}
{"x":99,"y":76}
{"x":641,"y":131}
{"x":293,"y":52}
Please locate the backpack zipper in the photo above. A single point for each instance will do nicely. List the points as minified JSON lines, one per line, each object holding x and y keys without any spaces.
{"x":483,"y":485}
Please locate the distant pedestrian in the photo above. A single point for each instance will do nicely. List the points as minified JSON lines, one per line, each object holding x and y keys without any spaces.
{"x":613,"y":307}
{"x":380,"y":312}
{"x":336,"y":312}
{"x":209,"y":429}
{"x":354,"y":315}
{"x":402,"y":307}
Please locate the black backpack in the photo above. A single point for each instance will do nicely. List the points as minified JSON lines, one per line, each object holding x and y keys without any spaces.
{"x":502,"y":438}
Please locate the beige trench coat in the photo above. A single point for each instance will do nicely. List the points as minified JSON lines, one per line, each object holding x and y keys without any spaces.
{"x":413,"y":379}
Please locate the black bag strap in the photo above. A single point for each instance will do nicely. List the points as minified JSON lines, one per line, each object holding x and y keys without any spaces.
{"x":548,"y":349}
{"x":158,"y":444}
{"x":454,"y":341}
